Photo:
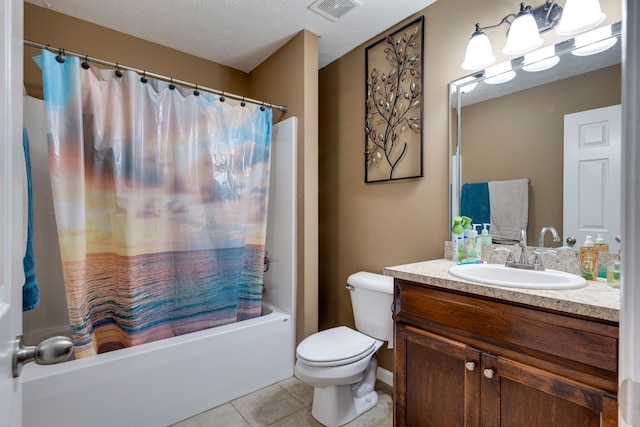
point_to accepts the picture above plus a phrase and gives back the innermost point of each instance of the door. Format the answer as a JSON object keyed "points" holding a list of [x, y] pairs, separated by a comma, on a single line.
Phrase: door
{"points": [[592, 177], [437, 380], [513, 392], [12, 232]]}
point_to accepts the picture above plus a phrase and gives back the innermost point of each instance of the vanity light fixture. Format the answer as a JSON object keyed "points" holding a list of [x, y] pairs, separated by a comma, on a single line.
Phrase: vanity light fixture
{"points": [[594, 42], [541, 59], [523, 35], [526, 26], [499, 74], [579, 16]]}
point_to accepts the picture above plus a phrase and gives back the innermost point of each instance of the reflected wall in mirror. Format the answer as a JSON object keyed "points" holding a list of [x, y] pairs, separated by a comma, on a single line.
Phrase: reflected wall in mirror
{"points": [[515, 129]]}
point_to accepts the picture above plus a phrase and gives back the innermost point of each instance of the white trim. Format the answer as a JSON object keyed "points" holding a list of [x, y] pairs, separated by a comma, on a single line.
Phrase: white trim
{"points": [[385, 376], [629, 364]]}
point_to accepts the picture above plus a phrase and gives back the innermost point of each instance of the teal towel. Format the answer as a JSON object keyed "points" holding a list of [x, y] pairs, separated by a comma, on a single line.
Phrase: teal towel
{"points": [[30, 290], [474, 202]]}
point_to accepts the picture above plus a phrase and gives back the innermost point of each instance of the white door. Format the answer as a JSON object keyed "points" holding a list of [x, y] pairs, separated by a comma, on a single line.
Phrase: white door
{"points": [[12, 215], [592, 163]]}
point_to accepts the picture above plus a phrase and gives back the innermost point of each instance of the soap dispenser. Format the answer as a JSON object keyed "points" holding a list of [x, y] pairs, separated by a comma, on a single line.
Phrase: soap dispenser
{"points": [[588, 260], [601, 246], [486, 237], [474, 244]]}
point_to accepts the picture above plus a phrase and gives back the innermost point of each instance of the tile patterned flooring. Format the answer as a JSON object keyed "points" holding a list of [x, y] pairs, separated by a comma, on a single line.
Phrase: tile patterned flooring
{"points": [[286, 404]]}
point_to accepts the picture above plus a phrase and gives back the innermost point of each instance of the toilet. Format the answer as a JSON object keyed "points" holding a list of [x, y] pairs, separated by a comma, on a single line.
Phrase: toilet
{"points": [[341, 363]]}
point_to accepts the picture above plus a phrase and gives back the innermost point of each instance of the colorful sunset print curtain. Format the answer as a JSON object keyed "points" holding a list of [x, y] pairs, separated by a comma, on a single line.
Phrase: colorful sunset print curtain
{"points": [[160, 199]]}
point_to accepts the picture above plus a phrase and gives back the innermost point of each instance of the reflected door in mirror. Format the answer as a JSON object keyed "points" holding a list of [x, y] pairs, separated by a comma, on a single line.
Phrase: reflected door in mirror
{"points": [[591, 191]]}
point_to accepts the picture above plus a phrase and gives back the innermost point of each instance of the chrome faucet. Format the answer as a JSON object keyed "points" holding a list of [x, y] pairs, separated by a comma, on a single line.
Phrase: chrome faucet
{"points": [[553, 231], [523, 245], [536, 261]]}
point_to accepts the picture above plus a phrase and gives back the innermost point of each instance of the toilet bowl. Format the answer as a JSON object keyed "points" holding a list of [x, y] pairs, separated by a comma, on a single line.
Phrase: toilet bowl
{"points": [[341, 363]]}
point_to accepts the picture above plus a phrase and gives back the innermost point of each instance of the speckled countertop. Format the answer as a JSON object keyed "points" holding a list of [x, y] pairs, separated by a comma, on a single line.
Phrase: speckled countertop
{"points": [[598, 300]]}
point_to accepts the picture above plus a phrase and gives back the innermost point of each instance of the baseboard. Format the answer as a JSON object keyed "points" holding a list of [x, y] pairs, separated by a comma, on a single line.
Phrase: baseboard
{"points": [[385, 376]]}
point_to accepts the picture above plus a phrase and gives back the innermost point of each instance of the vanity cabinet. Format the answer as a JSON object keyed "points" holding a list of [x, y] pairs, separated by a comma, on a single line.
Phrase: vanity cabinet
{"points": [[466, 360]]}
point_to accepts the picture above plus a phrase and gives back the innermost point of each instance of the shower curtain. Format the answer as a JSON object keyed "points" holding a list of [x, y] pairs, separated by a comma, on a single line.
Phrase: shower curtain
{"points": [[160, 196]]}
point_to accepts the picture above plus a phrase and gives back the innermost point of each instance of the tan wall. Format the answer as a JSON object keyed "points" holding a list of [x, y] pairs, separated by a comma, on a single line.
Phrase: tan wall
{"points": [[501, 141], [370, 226], [290, 77], [51, 28]]}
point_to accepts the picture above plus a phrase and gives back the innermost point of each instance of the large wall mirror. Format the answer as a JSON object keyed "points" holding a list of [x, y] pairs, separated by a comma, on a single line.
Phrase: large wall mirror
{"points": [[509, 124]]}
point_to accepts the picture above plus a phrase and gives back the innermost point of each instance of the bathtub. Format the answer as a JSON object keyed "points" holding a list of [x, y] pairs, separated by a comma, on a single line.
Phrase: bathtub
{"points": [[163, 382]]}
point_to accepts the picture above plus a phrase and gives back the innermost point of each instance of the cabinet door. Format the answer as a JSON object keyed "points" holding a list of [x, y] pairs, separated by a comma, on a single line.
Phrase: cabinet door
{"points": [[437, 381], [514, 394]]}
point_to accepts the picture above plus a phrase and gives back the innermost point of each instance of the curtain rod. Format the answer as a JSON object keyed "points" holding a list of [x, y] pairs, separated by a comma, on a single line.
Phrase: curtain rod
{"points": [[87, 58]]}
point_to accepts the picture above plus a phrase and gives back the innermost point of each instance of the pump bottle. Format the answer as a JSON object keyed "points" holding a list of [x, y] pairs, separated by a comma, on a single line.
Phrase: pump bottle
{"points": [[601, 246], [457, 240], [486, 237], [588, 260]]}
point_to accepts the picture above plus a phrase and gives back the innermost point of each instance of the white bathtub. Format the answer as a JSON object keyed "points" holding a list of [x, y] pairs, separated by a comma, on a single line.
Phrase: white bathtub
{"points": [[160, 383]]}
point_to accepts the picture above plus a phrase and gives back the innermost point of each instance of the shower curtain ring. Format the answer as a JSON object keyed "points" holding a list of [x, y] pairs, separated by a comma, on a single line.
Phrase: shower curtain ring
{"points": [[196, 92], [118, 72], [243, 103], [222, 97], [85, 63], [60, 56], [143, 79], [171, 85], [262, 107]]}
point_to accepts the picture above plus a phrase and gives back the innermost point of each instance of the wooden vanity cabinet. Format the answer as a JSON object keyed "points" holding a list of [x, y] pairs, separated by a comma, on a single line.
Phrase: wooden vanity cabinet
{"points": [[465, 360]]}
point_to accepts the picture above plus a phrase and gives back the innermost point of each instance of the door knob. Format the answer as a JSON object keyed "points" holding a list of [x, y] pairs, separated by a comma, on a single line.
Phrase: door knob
{"points": [[50, 351], [488, 373], [470, 366]]}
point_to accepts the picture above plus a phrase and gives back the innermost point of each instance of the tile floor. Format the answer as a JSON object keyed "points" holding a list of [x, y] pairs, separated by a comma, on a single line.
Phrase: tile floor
{"points": [[285, 404]]}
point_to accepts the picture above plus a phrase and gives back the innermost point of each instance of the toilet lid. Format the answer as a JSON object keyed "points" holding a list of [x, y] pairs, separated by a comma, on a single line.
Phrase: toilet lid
{"points": [[335, 346]]}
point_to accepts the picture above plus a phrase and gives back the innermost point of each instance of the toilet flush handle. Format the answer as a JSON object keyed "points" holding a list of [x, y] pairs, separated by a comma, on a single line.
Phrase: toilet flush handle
{"points": [[350, 287]]}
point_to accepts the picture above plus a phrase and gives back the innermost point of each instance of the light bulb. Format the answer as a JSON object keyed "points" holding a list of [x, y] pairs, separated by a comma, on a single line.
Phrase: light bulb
{"points": [[523, 35], [579, 16], [479, 54]]}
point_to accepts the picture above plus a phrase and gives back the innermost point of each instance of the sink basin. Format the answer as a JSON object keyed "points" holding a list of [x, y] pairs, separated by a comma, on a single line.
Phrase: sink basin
{"points": [[499, 275]]}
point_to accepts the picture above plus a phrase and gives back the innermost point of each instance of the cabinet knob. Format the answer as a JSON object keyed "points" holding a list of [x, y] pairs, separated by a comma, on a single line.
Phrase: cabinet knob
{"points": [[488, 373], [470, 366]]}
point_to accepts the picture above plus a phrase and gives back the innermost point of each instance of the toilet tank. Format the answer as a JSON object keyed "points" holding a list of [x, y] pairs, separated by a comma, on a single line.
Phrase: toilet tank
{"points": [[371, 299]]}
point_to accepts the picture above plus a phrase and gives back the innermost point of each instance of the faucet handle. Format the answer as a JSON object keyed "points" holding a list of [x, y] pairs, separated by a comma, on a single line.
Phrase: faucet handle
{"points": [[546, 251], [511, 257], [537, 258]]}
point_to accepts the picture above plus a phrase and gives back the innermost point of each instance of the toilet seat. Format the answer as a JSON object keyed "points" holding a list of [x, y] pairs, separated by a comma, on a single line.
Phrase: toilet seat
{"points": [[335, 347]]}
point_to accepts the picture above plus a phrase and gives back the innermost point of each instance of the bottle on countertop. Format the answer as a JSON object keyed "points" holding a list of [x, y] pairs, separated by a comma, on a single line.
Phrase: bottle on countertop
{"points": [[474, 245], [457, 240], [467, 227], [486, 237], [588, 260], [601, 245]]}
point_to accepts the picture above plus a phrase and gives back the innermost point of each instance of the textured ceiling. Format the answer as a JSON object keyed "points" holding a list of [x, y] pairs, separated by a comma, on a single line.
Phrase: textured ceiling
{"points": [[239, 33]]}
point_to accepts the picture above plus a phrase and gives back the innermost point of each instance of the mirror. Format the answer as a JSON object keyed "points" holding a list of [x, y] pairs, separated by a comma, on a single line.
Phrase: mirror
{"points": [[507, 121]]}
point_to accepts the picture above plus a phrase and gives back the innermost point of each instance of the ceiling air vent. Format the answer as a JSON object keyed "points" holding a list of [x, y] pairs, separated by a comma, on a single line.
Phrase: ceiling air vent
{"points": [[334, 9]]}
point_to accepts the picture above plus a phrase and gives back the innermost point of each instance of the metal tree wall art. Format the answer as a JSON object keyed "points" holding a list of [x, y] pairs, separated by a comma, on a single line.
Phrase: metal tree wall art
{"points": [[393, 131]]}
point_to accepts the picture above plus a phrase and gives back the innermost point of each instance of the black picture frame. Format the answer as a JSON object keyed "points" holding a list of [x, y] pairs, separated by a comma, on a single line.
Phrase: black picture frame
{"points": [[394, 105]]}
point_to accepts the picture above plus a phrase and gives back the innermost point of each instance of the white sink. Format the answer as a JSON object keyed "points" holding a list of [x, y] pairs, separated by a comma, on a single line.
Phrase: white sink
{"points": [[499, 275]]}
